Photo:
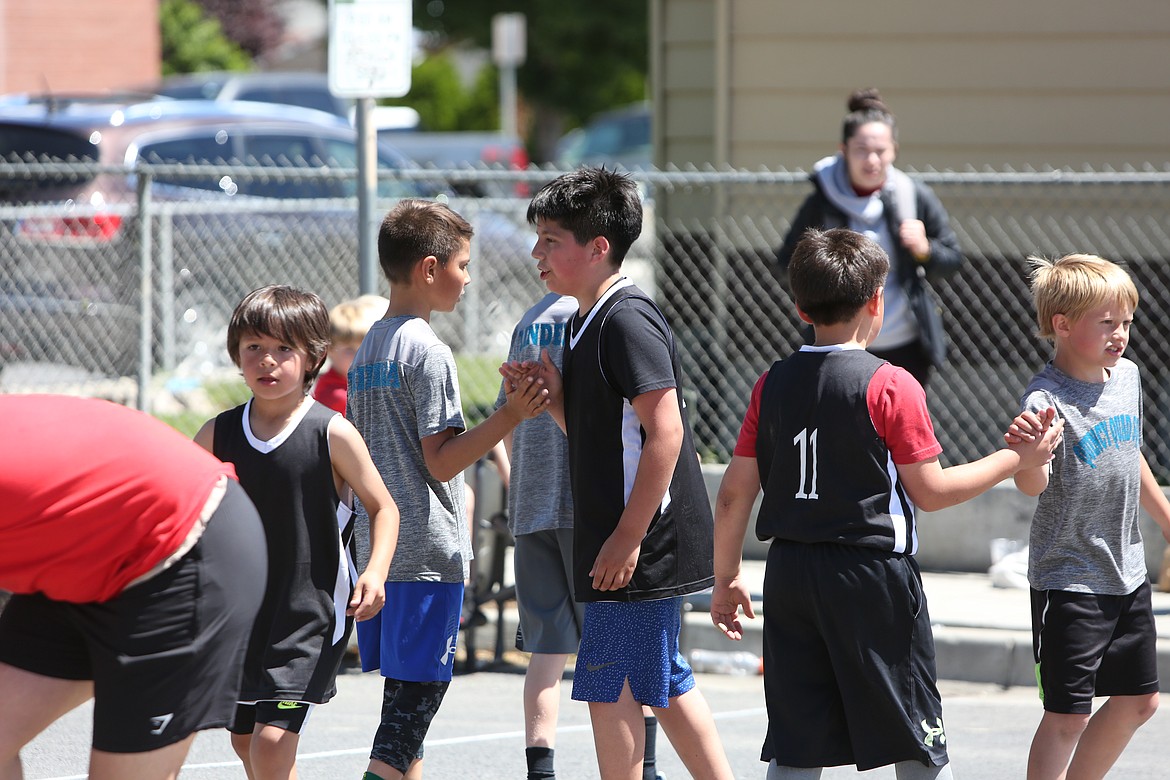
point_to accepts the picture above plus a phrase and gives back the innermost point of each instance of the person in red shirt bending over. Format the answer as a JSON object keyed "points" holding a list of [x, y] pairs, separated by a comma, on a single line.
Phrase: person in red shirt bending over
{"points": [[137, 565]]}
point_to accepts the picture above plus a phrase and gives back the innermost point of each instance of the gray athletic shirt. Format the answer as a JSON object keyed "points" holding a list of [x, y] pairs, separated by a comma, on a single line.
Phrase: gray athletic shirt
{"points": [[539, 495], [403, 387], [1085, 535]]}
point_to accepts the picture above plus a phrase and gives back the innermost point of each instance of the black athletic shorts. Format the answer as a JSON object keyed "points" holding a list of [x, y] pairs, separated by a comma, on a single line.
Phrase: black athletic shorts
{"points": [[1088, 645], [288, 715], [849, 673], [165, 655]]}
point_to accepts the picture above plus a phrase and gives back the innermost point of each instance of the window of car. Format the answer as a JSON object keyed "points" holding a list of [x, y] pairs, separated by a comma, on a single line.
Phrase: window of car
{"points": [[343, 154], [211, 146], [37, 142], [286, 150]]}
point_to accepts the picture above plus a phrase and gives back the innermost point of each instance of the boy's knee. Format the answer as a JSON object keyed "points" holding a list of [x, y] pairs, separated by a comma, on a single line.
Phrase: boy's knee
{"points": [[1138, 708], [1066, 724]]}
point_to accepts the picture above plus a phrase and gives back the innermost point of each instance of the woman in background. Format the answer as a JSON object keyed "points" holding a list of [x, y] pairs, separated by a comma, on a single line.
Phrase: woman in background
{"points": [[859, 188]]}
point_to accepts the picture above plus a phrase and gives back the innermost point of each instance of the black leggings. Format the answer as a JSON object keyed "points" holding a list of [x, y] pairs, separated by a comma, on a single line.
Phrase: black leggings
{"points": [[407, 711]]}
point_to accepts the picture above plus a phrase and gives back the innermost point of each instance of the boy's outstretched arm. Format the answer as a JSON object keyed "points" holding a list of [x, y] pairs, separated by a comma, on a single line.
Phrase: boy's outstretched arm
{"points": [[931, 487], [1154, 501], [449, 452], [733, 506], [353, 466], [658, 413]]}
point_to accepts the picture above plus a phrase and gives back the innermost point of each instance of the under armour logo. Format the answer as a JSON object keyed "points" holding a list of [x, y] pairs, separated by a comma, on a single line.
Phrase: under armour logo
{"points": [[159, 723], [931, 733], [449, 653]]}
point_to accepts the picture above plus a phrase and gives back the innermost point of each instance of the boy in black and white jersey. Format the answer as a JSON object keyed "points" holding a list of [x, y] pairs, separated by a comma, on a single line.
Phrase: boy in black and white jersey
{"points": [[642, 522], [841, 443]]}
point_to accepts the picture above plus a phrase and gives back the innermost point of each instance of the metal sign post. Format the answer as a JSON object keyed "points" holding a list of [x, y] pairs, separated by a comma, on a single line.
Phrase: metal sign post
{"points": [[509, 50], [370, 46]]}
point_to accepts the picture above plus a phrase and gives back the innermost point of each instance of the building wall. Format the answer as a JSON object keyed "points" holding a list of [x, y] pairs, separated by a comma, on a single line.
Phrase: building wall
{"points": [[78, 45], [996, 83]]}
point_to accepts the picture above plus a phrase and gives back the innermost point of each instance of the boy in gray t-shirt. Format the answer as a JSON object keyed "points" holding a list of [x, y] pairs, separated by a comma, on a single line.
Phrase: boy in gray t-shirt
{"points": [[1092, 623], [404, 399]]}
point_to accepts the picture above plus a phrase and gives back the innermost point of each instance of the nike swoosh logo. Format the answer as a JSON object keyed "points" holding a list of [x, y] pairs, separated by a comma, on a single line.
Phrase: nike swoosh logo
{"points": [[598, 667], [289, 705]]}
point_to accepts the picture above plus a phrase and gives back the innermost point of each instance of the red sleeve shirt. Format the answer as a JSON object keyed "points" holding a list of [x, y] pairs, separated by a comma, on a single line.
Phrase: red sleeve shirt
{"points": [[897, 408], [93, 495], [331, 390]]}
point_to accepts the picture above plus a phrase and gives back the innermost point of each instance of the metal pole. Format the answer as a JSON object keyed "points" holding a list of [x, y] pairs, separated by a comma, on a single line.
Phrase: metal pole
{"points": [[145, 293], [509, 123], [166, 284], [367, 192]]}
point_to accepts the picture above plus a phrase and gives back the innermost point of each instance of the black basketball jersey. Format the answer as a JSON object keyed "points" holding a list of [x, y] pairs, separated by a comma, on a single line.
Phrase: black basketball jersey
{"points": [[621, 349], [299, 638], [827, 474]]}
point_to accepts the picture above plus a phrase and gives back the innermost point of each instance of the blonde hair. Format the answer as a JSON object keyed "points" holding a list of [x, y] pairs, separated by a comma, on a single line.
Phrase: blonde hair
{"points": [[1074, 284], [351, 320]]}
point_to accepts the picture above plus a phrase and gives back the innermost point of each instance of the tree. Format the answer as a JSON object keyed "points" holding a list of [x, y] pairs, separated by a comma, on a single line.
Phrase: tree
{"points": [[193, 42], [254, 25], [582, 57]]}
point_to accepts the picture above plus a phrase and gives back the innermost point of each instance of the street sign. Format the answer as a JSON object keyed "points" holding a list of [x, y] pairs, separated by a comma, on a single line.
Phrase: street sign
{"points": [[509, 39], [370, 45]]}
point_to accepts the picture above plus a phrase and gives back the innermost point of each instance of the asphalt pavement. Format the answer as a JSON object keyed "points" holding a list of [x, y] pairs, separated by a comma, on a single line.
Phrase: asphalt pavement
{"points": [[478, 734], [981, 632]]}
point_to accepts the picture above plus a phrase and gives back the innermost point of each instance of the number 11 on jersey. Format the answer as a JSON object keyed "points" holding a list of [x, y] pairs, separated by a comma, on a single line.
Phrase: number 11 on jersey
{"points": [[806, 442]]}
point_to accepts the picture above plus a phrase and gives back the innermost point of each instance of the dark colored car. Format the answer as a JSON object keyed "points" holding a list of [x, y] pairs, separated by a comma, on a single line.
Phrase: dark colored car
{"points": [[617, 137], [70, 242]]}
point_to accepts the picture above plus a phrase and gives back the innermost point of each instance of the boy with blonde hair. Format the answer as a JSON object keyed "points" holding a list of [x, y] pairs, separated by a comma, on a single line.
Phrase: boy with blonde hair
{"points": [[349, 321], [842, 444], [404, 398], [1092, 623]]}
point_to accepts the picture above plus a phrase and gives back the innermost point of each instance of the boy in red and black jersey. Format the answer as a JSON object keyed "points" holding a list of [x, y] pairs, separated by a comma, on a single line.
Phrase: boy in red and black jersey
{"points": [[842, 445]]}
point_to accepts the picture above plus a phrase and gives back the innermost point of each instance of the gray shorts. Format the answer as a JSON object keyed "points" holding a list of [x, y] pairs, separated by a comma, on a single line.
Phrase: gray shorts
{"points": [[550, 619]]}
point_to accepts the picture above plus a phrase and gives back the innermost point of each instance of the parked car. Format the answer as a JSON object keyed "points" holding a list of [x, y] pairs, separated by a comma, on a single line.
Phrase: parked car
{"points": [[304, 89], [617, 137], [70, 243], [464, 149]]}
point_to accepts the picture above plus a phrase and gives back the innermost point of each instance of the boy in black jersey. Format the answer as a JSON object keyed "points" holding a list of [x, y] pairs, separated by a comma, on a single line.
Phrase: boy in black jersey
{"points": [[842, 444], [299, 462], [642, 528]]}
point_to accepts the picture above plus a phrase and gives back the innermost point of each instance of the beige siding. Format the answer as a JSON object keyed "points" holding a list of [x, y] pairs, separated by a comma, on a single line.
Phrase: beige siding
{"points": [[685, 92], [990, 84]]}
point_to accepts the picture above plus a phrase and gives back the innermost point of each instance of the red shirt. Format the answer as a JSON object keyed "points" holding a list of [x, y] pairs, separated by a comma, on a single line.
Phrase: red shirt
{"points": [[93, 495], [896, 402], [331, 390]]}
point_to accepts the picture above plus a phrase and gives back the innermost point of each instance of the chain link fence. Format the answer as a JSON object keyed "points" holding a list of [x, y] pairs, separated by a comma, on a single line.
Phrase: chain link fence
{"points": [[118, 298]]}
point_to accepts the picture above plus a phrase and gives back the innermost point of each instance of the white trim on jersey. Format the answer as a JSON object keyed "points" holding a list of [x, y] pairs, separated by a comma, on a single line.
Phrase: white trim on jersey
{"points": [[900, 518], [346, 574], [632, 453], [605, 296], [268, 446]]}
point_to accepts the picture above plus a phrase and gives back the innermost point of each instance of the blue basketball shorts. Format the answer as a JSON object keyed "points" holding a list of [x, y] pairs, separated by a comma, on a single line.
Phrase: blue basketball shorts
{"points": [[415, 635], [634, 641]]}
